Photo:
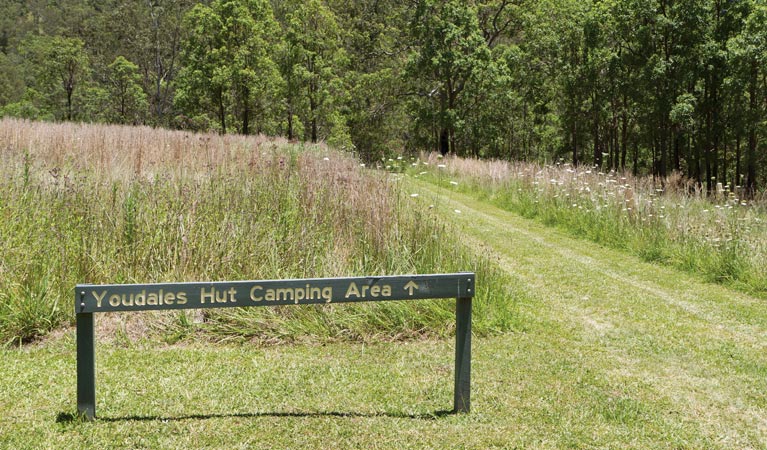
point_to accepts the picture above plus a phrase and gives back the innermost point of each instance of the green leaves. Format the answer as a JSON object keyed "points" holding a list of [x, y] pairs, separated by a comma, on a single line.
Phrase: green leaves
{"points": [[60, 67], [229, 71]]}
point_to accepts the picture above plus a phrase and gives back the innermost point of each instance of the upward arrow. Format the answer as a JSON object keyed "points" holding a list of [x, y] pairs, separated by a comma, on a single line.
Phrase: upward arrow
{"points": [[410, 286]]}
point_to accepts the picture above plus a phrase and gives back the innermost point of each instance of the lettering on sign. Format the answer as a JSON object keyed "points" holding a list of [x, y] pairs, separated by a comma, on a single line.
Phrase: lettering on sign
{"points": [[295, 295], [136, 297]]}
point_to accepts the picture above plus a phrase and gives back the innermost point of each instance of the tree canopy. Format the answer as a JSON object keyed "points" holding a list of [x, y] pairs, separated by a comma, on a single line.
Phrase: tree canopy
{"points": [[655, 87]]}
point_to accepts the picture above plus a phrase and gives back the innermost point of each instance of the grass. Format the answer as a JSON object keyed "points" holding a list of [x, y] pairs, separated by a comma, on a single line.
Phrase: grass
{"points": [[95, 204], [578, 345], [629, 354], [721, 236], [605, 351]]}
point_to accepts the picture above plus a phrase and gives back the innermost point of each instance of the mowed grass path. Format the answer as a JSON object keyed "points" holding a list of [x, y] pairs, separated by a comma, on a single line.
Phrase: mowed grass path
{"points": [[633, 354], [607, 352]]}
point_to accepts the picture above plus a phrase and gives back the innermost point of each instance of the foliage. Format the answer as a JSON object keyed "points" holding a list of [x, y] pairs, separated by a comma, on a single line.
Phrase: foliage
{"points": [[228, 70], [652, 87], [59, 67]]}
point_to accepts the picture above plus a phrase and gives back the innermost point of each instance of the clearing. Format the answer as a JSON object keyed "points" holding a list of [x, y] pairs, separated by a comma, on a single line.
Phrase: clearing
{"points": [[606, 352]]}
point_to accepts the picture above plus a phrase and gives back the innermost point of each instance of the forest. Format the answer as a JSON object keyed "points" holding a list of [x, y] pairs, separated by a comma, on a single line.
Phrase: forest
{"points": [[673, 89]]}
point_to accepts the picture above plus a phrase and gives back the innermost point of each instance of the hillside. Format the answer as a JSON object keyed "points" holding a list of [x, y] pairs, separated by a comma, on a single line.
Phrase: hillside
{"points": [[656, 87]]}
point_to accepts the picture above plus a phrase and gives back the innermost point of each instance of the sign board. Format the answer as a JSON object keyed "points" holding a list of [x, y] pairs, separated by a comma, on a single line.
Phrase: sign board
{"points": [[90, 299], [141, 297]]}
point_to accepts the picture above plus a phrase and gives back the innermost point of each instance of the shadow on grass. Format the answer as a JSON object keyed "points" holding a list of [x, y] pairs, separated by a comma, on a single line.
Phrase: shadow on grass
{"points": [[71, 418]]}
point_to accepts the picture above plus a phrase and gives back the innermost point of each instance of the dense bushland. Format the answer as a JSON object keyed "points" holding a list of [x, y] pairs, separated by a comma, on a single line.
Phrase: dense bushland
{"points": [[651, 87], [95, 204]]}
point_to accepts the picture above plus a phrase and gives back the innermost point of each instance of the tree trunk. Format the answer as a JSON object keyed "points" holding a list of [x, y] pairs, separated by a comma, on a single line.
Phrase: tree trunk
{"points": [[69, 103], [290, 120], [313, 110], [624, 133], [444, 142], [750, 185], [245, 112], [221, 111], [574, 137], [737, 160], [595, 132]]}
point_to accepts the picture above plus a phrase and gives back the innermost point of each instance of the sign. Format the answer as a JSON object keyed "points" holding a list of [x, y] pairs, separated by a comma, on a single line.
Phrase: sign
{"points": [[90, 299], [141, 297]]}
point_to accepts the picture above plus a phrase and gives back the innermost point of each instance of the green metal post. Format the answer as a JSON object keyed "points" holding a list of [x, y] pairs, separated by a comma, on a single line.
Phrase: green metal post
{"points": [[462, 390], [86, 366]]}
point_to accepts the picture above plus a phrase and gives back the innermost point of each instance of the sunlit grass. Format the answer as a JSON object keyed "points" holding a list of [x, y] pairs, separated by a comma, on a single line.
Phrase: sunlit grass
{"points": [[93, 204], [721, 236]]}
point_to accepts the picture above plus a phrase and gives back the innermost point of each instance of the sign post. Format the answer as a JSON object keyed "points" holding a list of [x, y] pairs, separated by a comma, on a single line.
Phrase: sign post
{"points": [[86, 366], [462, 389], [90, 299]]}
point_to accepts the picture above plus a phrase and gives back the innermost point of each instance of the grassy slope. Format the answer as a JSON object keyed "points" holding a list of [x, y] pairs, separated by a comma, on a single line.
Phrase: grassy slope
{"points": [[609, 352]]}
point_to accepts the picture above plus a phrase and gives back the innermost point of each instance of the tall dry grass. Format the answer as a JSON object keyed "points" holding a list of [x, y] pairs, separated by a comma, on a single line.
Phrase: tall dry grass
{"points": [[111, 204]]}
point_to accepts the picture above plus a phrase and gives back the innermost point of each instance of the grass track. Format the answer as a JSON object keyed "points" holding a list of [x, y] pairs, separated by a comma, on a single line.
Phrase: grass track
{"points": [[608, 352], [660, 350]]}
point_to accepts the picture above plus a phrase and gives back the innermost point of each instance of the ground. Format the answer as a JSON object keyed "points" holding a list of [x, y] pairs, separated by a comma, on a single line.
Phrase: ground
{"points": [[605, 351]]}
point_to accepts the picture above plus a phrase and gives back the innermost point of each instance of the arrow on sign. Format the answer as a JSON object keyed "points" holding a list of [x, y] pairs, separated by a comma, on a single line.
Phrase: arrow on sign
{"points": [[410, 286]]}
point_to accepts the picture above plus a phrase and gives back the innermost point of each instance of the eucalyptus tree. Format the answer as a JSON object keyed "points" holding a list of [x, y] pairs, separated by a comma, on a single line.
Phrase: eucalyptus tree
{"points": [[128, 103], [228, 67], [749, 56], [375, 40], [59, 67], [450, 53], [313, 62]]}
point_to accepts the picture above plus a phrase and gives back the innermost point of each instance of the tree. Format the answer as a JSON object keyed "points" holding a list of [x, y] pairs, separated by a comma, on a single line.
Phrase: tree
{"points": [[11, 84], [450, 53], [128, 100], [749, 53], [59, 66], [227, 61], [312, 63], [374, 38]]}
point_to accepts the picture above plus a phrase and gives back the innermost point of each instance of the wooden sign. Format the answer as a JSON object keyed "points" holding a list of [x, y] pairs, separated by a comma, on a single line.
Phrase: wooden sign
{"points": [[90, 299], [141, 297]]}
